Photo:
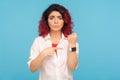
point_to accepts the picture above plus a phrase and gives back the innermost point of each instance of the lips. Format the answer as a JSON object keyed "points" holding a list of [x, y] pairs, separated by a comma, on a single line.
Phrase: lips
{"points": [[56, 26]]}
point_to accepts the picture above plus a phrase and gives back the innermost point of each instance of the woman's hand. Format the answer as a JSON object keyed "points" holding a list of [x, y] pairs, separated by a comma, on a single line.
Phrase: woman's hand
{"points": [[72, 56], [72, 39], [50, 51]]}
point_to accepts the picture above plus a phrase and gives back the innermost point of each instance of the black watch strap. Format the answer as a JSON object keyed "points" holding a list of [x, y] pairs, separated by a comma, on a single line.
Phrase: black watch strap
{"points": [[73, 49]]}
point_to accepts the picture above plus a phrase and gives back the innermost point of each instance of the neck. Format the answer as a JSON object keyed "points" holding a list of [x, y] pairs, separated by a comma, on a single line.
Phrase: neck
{"points": [[55, 36]]}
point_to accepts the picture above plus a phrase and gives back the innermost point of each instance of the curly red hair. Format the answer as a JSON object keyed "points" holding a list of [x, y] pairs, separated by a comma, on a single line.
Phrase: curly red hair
{"points": [[43, 24]]}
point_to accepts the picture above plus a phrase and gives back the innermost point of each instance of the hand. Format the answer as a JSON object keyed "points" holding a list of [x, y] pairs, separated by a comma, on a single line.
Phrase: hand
{"points": [[50, 51], [72, 39]]}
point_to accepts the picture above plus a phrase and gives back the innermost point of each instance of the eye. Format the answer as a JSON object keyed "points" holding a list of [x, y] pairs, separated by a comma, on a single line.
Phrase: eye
{"points": [[51, 17], [60, 18]]}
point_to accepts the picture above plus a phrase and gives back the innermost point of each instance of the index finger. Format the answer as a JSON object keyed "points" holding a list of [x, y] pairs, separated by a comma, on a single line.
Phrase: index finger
{"points": [[57, 48]]}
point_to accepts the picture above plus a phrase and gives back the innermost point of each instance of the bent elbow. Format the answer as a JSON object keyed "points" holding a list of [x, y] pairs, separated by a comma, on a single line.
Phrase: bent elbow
{"points": [[32, 68]]}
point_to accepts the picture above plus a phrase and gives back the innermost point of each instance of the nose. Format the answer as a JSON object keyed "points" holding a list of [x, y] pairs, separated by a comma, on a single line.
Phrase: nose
{"points": [[56, 21]]}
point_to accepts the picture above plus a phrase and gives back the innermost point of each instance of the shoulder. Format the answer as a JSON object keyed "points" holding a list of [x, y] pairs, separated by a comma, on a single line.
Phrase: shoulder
{"points": [[39, 38]]}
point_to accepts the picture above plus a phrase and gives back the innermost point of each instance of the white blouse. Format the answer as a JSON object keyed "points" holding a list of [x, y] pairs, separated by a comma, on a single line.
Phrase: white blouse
{"points": [[53, 67]]}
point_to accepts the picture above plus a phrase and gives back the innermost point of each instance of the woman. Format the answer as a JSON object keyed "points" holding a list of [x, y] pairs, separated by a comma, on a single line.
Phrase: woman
{"points": [[55, 51]]}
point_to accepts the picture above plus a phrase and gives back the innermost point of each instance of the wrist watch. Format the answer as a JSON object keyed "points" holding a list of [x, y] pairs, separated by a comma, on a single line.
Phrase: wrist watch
{"points": [[73, 49]]}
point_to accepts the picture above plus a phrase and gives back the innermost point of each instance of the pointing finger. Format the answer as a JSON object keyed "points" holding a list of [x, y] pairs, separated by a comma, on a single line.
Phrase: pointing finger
{"points": [[57, 48]]}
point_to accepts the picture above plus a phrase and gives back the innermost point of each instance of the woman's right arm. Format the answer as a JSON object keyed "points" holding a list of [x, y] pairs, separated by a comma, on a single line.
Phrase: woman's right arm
{"points": [[36, 63]]}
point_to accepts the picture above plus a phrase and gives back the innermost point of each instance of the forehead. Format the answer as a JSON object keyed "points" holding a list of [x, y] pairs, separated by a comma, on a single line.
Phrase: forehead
{"points": [[55, 13]]}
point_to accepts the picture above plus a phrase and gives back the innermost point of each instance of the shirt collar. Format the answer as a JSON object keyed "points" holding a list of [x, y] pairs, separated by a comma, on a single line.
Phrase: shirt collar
{"points": [[47, 37]]}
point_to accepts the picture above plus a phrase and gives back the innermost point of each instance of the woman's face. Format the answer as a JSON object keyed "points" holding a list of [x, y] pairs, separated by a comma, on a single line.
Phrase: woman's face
{"points": [[55, 21]]}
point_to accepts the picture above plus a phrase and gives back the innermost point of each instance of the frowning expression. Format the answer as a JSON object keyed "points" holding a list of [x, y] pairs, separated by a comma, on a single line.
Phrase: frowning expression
{"points": [[55, 21]]}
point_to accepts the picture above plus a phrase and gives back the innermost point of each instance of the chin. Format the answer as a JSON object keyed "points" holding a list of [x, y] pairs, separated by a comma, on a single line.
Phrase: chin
{"points": [[56, 30]]}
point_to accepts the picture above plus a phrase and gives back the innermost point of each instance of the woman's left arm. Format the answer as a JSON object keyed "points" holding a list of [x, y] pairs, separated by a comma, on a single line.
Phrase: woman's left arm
{"points": [[72, 54]]}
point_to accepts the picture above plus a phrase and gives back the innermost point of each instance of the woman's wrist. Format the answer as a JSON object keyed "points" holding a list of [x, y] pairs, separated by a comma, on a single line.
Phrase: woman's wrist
{"points": [[72, 45], [43, 54]]}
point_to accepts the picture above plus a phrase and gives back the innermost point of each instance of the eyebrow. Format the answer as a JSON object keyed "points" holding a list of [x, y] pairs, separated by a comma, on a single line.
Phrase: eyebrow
{"points": [[52, 16]]}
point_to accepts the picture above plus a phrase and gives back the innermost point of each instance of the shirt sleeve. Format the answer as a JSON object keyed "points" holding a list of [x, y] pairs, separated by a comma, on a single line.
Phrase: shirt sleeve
{"points": [[77, 47], [34, 52], [77, 52]]}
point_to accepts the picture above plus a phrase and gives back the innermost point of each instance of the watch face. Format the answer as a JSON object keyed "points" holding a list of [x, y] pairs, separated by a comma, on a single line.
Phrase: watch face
{"points": [[73, 49]]}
